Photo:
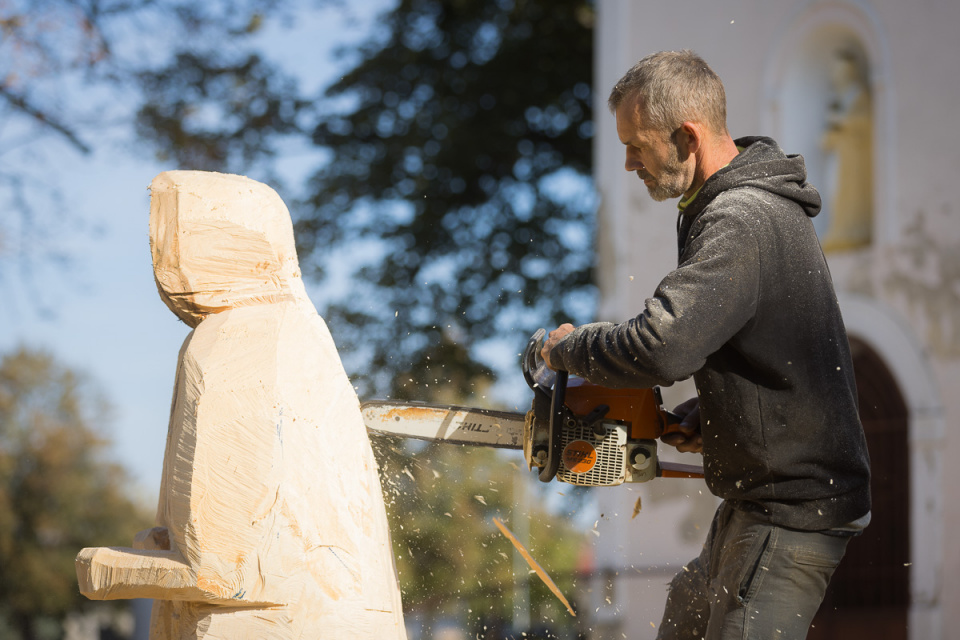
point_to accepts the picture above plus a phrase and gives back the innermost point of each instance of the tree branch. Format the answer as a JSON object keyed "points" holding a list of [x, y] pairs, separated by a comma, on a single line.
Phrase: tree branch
{"points": [[21, 103]]}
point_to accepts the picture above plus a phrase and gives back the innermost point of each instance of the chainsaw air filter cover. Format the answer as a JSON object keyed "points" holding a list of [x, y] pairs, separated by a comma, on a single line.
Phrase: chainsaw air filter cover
{"points": [[590, 460]]}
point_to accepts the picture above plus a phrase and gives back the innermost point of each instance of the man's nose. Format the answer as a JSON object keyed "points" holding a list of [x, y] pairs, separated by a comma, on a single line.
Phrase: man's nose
{"points": [[633, 163]]}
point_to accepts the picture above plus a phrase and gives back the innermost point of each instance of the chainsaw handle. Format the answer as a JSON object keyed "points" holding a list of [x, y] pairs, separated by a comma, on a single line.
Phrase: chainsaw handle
{"points": [[671, 423], [557, 415], [677, 435], [675, 469], [549, 390]]}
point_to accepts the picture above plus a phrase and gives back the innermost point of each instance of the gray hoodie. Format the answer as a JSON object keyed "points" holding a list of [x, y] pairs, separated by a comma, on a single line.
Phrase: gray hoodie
{"points": [[750, 312]]}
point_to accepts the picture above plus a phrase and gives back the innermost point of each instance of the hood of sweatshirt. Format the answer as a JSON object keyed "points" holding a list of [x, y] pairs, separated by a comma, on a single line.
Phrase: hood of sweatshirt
{"points": [[763, 165], [219, 242]]}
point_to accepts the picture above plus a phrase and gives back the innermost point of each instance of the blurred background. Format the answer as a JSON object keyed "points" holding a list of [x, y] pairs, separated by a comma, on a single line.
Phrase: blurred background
{"points": [[456, 182]]}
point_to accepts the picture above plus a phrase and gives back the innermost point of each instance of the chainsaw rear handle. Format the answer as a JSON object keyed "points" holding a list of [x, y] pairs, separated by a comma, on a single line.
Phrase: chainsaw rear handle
{"points": [[672, 424], [675, 469]]}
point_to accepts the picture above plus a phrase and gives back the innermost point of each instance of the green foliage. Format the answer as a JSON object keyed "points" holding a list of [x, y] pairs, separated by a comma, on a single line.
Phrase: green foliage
{"points": [[57, 493], [460, 171], [452, 559]]}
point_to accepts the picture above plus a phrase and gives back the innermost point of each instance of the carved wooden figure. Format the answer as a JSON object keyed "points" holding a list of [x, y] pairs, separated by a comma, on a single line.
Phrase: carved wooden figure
{"points": [[271, 521]]}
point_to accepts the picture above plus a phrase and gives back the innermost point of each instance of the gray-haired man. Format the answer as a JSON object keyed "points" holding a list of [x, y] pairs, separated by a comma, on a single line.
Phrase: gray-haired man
{"points": [[750, 312]]}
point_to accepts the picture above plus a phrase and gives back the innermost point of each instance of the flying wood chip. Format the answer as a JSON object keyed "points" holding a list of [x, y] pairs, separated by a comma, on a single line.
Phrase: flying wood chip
{"points": [[534, 565]]}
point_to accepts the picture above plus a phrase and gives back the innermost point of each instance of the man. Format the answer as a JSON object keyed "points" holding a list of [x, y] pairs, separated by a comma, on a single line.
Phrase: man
{"points": [[750, 313]]}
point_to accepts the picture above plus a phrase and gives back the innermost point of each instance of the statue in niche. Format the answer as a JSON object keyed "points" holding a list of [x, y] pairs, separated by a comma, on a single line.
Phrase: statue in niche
{"points": [[271, 520], [848, 147]]}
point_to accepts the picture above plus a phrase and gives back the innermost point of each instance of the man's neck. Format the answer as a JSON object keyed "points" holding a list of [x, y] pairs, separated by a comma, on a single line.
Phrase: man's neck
{"points": [[710, 159]]}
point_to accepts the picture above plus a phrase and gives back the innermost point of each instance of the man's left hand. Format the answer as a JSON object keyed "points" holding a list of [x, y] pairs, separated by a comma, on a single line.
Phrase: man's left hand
{"points": [[688, 439], [553, 338]]}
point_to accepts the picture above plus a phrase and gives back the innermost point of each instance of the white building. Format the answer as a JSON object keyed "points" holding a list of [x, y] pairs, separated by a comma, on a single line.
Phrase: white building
{"points": [[897, 273]]}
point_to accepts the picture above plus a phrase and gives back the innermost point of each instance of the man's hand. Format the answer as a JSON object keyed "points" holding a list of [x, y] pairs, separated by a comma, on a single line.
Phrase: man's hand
{"points": [[553, 338], [689, 438]]}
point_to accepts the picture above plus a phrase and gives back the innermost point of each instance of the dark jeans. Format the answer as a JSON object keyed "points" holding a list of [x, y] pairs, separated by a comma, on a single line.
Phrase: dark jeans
{"points": [[752, 581]]}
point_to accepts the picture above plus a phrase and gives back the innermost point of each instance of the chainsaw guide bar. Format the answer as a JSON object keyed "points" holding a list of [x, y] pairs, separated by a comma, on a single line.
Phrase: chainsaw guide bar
{"points": [[447, 423]]}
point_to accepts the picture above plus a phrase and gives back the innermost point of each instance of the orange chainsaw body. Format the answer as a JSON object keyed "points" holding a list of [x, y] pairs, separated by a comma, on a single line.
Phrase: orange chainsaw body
{"points": [[639, 408]]}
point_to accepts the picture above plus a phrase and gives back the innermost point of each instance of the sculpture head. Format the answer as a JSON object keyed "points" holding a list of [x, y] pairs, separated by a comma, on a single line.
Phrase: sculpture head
{"points": [[218, 242]]}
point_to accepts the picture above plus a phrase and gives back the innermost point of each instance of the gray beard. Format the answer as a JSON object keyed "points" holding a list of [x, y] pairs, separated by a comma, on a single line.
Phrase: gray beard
{"points": [[672, 183]]}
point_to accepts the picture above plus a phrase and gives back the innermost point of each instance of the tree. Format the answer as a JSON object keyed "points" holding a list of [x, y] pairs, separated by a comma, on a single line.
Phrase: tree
{"points": [[57, 492], [460, 169]]}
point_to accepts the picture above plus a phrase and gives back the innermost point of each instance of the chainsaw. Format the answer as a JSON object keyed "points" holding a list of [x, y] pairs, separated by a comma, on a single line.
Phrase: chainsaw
{"points": [[577, 432]]}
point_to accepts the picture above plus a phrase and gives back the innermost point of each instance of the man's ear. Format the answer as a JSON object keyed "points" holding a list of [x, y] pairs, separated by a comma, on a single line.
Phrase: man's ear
{"points": [[690, 138]]}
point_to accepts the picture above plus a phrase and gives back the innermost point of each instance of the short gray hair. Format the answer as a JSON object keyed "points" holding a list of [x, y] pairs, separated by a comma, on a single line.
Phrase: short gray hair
{"points": [[675, 86]]}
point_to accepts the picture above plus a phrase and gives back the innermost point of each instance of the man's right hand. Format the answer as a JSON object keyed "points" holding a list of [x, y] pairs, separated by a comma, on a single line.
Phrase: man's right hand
{"points": [[553, 338], [688, 439]]}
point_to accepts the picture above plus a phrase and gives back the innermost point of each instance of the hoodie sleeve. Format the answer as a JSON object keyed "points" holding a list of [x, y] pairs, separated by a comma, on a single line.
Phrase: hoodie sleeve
{"points": [[695, 310]]}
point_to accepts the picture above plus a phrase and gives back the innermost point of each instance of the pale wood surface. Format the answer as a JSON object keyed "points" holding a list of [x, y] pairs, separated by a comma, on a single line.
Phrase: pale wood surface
{"points": [[271, 521]]}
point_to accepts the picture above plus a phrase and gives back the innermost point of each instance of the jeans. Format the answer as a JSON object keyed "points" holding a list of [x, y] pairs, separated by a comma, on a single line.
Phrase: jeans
{"points": [[752, 581]]}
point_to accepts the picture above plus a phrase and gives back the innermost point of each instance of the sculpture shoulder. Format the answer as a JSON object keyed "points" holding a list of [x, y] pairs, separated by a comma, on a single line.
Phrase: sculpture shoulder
{"points": [[282, 349], [246, 334]]}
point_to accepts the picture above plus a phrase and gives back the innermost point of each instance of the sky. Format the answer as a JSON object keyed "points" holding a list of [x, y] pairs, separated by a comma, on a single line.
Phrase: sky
{"points": [[108, 320]]}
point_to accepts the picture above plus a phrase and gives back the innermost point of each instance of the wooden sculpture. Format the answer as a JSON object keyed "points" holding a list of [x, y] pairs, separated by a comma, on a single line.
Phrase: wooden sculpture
{"points": [[271, 521]]}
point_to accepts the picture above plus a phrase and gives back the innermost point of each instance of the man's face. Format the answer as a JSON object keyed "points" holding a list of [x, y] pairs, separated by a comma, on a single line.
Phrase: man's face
{"points": [[651, 153]]}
